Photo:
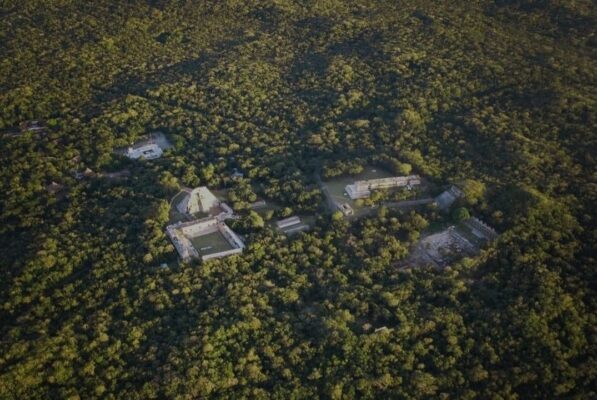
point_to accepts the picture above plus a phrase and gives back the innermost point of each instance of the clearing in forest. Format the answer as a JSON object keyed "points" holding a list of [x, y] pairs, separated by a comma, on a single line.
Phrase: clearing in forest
{"points": [[210, 243], [149, 147], [335, 188]]}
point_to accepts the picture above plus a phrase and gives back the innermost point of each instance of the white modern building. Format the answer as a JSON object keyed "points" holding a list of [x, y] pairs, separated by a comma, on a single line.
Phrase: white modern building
{"points": [[145, 152], [148, 148], [362, 189]]}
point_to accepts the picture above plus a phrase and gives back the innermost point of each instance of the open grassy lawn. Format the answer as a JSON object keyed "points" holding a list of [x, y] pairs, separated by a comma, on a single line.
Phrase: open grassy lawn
{"points": [[211, 243]]}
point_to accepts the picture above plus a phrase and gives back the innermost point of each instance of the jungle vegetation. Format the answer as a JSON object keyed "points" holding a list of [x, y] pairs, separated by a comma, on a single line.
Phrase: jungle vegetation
{"points": [[498, 96]]}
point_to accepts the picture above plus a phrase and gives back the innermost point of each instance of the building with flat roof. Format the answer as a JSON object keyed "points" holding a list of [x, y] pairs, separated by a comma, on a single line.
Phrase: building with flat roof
{"points": [[149, 147], [362, 189], [145, 152], [285, 223]]}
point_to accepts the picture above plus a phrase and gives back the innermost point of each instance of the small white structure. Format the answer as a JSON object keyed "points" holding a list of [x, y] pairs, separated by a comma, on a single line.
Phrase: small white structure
{"points": [[362, 189], [285, 223], [346, 209], [382, 329], [181, 235], [198, 200], [145, 152], [148, 148], [447, 198]]}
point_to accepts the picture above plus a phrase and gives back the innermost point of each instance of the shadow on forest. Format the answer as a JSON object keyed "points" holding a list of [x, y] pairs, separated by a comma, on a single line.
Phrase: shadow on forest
{"points": [[363, 46], [139, 83], [493, 151], [314, 63]]}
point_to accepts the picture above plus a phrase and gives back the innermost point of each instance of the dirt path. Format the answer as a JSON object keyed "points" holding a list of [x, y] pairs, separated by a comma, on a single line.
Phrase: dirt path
{"points": [[407, 203], [116, 175]]}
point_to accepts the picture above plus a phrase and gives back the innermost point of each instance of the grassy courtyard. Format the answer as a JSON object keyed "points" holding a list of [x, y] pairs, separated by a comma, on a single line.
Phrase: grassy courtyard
{"points": [[211, 243], [336, 186]]}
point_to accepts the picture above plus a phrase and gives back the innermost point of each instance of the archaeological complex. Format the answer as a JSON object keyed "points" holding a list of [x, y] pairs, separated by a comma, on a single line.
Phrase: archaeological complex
{"points": [[208, 237]]}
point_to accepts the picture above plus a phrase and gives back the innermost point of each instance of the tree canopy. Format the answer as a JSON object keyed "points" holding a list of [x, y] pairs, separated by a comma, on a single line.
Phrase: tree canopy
{"points": [[497, 97]]}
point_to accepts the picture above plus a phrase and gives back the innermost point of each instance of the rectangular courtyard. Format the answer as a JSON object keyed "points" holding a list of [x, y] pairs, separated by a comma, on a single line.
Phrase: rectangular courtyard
{"points": [[210, 243]]}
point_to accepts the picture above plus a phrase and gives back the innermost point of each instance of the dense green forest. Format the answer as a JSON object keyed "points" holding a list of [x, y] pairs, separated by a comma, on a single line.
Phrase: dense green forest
{"points": [[500, 93]]}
